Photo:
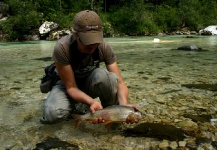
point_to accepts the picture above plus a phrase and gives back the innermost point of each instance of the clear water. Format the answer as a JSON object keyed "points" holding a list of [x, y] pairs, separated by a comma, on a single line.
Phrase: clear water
{"points": [[153, 72]]}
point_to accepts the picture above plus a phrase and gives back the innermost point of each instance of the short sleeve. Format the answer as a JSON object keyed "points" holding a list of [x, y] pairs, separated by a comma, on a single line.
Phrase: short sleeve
{"points": [[61, 52], [107, 54]]}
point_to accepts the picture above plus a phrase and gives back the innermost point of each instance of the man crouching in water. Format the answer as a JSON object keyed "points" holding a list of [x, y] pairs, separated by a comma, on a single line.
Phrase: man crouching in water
{"points": [[77, 59]]}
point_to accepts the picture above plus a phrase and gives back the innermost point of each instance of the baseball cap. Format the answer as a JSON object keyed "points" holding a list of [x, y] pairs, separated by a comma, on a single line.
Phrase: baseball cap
{"points": [[88, 26]]}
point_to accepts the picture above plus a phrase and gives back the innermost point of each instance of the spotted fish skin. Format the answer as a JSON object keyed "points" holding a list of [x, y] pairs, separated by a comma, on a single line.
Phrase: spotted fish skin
{"points": [[110, 114]]}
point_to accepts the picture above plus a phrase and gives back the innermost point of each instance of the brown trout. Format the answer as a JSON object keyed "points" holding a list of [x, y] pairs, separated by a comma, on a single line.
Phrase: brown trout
{"points": [[110, 114]]}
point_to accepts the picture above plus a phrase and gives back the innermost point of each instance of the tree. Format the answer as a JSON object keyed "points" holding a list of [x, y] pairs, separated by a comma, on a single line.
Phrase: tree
{"points": [[133, 18], [167, 18], [24, 19]]}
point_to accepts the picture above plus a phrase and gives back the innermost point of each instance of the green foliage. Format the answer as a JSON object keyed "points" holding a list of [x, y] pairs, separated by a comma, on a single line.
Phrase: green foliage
{"points": [[108, 30], [134, 17], [24, 19], [20, 25], [167, 18], [133, 20], [208, 13], [188, 12]]}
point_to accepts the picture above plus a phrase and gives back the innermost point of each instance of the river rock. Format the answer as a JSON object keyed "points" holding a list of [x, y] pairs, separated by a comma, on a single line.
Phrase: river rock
{"points": [[58, 34], [189, 48], [210, 30], [46, 27], [187, 124], [173, 145], [5, 18], [164, 144], [182, 143]]}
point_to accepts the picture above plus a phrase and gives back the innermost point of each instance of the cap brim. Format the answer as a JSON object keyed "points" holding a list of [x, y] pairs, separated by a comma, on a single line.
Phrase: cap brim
{"points": [[88, 38]]}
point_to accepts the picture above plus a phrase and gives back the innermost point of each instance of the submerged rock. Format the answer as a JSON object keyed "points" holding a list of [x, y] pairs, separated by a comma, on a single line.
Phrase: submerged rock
{"points": [[51, 143], [189, 48]]}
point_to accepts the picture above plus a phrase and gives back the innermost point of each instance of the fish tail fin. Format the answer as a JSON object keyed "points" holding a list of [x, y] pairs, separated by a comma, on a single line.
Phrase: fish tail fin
{"points": [[78, 120]]}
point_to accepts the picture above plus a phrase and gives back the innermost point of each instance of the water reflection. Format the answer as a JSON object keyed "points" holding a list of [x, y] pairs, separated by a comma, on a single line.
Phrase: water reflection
{"points": [[153, 72]]}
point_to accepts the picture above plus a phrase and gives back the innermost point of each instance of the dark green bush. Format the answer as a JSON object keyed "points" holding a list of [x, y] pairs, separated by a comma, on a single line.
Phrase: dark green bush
{"points": [[135, 17], [167, 18]]}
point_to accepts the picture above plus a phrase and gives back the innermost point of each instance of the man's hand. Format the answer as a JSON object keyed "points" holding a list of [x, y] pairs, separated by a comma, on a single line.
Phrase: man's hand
{"points": [[98, 120], [131, 120], [133, 106], [95, 106]]}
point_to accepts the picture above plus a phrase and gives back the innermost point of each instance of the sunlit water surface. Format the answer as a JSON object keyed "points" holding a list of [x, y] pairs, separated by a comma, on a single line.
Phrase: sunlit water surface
{"points": [[154, 73]]}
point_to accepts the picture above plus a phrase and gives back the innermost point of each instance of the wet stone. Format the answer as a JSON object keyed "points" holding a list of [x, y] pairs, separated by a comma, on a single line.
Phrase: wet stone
{"points": [[214, 144], [182, 143], [202, 140], [173, 145], [164, 145], [51, 143]]}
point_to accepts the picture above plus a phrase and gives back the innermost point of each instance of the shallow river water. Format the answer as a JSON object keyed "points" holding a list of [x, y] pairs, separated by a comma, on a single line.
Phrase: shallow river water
{"points": [[171, 87]]}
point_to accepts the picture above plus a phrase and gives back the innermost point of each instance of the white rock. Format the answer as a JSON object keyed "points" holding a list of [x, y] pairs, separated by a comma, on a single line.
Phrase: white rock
{"points": [[182, 143], [164, 144], [57, 35], [5, 18], [46, 27], [212, 29], [173, 145], [156, 40]]}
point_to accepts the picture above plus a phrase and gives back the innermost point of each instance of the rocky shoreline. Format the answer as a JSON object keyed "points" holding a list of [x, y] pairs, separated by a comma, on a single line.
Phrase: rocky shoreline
{"points": [[50, 31]]}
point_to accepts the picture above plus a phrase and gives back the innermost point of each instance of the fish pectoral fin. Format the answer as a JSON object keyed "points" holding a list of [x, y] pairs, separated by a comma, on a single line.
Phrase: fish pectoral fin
{"points": [[107, 122], [77, 123], [77, 120], [108, 125]]}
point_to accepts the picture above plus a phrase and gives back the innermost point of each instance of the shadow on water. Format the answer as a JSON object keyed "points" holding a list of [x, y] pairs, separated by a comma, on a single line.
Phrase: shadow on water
{"points": [[169, 132], [211, 87], [44, 59], [51, 143], [156, 130], [199, 118]]}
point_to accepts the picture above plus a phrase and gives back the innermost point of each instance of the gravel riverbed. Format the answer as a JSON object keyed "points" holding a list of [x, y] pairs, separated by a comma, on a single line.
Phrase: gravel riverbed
{"points": [[175, 90]]}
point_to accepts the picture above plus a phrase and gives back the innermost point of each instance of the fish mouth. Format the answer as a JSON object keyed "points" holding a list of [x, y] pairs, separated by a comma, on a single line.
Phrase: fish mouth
{"points": [[136, 116]]}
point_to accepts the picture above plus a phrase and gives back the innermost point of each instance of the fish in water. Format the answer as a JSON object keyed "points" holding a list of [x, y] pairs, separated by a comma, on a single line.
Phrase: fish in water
{"points": [[110, 114]]}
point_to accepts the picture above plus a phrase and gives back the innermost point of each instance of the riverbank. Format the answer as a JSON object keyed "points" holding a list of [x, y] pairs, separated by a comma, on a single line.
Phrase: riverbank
{"points": [[57, 34]]}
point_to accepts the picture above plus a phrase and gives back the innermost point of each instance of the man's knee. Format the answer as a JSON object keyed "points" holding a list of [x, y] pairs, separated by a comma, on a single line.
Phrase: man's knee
{"points": [[104, 85], [53, 114], [106, 78], [57, 106]]}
